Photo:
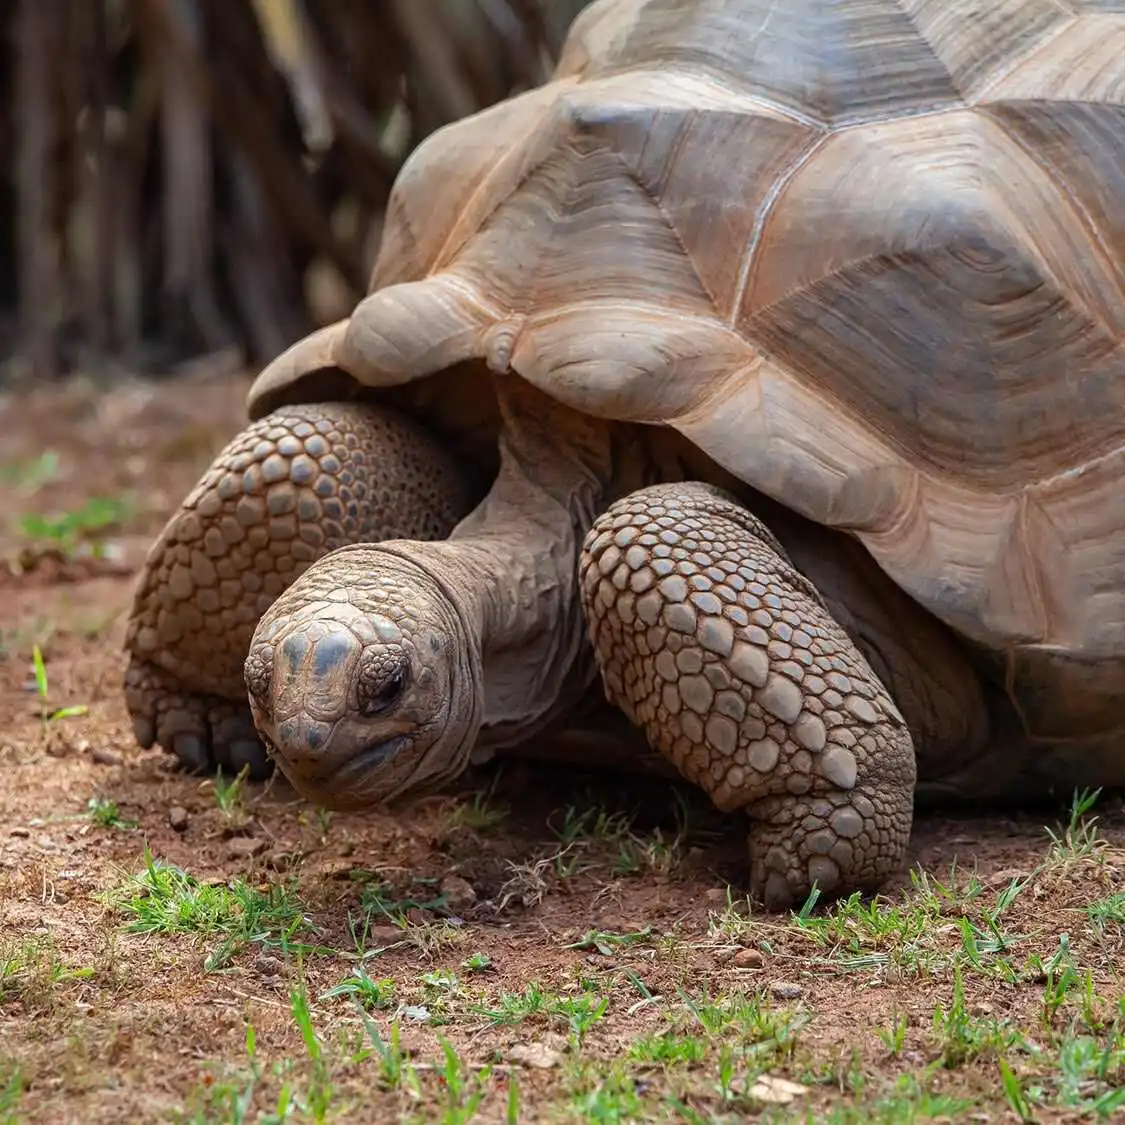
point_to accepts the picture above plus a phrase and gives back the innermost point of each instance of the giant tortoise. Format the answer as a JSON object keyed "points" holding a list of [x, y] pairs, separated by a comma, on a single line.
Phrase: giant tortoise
{"points": [[761, 374]]}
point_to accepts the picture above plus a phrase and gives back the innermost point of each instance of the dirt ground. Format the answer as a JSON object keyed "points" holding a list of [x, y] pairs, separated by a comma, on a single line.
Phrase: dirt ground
{"points": [[536, 944]]}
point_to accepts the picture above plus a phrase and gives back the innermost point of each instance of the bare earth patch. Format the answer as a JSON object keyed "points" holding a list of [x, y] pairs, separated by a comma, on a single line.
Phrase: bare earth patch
{"points": [[537, 945]]}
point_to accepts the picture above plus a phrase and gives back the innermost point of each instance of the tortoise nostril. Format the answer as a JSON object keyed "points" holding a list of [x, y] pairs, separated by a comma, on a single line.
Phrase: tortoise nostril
{"points": [[298, 740]]}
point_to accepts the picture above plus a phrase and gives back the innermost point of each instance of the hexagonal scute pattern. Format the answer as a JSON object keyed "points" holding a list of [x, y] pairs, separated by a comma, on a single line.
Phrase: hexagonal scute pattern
{"points": [[867, 255]]}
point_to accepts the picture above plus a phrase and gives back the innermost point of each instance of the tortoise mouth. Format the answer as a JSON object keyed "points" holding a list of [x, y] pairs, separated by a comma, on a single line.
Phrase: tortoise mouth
{"points": [[352, 785], [374, 754]]}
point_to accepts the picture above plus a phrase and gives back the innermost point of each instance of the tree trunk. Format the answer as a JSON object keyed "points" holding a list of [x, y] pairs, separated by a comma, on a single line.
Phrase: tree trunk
{"points": [[188, 298], [37, 242]]}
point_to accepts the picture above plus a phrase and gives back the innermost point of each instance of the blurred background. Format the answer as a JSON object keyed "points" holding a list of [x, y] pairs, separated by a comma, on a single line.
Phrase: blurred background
{"points": [[188, 182]]}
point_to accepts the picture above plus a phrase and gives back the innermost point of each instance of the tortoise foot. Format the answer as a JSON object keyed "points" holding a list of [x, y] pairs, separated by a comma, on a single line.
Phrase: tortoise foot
{"points": [[726, 656], [205, 732]]}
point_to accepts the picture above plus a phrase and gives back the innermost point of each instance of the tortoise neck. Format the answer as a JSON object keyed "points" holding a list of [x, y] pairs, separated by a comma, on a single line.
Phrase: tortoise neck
{"points": [[513, 562]]}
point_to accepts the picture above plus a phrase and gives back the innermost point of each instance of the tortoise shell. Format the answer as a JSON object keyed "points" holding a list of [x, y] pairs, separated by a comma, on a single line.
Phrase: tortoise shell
{"points": [[868, 256]]}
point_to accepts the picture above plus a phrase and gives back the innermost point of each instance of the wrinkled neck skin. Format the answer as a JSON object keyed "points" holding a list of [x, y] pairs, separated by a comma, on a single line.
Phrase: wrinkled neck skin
{"points": [[512, 563]]}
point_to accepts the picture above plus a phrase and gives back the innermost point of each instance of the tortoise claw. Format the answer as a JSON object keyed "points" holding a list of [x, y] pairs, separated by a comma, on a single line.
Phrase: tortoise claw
{"points": [[205, 732]]}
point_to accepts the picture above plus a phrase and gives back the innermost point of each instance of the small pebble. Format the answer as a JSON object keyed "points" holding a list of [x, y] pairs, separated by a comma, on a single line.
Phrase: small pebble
{"points": [[105, 757], [749, 959], [384, 935], [596, 961], [243, 847], [786, 990], [459, 893], [1002, 878], [776, 1090], [178, 818], [537, 1055]]}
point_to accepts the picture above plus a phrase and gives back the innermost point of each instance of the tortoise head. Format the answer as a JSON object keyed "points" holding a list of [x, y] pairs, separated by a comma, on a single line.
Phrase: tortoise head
{"points": [[364, 679]]}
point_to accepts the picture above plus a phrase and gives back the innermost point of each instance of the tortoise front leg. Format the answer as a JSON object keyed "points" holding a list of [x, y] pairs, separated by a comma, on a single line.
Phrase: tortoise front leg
{"points": [[725, 655], [286, 491]]}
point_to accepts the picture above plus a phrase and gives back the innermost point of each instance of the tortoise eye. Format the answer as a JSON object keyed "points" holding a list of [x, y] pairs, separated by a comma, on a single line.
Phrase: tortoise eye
{"points": [[382, 683]]}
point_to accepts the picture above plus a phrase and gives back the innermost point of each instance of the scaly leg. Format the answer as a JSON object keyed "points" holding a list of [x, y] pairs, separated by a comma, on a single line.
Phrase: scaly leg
{"points": [[725, 655], [286, 491]]}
